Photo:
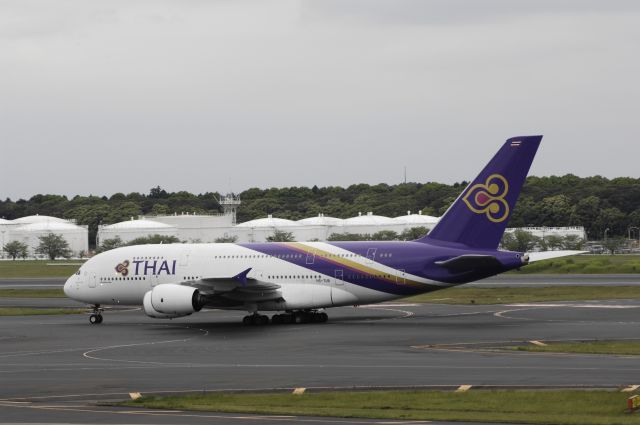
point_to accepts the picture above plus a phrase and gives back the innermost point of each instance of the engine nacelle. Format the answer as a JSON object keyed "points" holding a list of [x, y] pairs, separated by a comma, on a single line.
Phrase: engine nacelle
{"points": [[168, 301]]}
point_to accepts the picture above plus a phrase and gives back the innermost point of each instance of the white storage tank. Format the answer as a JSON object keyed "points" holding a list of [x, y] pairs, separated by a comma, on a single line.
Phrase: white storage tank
{"points": [[133, 229], [76, 236]]}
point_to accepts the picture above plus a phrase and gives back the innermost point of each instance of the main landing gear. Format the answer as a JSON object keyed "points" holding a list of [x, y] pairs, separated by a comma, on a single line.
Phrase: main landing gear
{"points": [[256, 319], [96, 317], [296, 317]]}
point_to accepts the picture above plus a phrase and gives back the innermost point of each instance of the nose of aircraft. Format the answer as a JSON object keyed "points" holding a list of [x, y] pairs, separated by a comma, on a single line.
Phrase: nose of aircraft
{"points": [[67, 288]]}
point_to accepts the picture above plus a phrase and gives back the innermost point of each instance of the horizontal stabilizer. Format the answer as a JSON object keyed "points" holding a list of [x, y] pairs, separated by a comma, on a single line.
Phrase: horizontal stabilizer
{"points": [[547, 255], [469, 262]]}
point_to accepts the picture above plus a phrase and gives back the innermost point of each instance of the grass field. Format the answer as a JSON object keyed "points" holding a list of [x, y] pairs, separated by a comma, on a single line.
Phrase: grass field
{"points": [[585, 264], [470, 295], [38, 268], [31, 293], [24, 311], [530, 407], [587, 347]]}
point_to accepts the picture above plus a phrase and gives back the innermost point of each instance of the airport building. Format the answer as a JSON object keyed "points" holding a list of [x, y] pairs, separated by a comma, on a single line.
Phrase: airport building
{"points": [[542, 232]]}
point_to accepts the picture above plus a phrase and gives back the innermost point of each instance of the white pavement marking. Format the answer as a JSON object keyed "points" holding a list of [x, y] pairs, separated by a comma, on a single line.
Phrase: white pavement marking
{"points": [[405, 313], [614, 306], [630, 388], [463, 388], [538, 343], [88, 355]]}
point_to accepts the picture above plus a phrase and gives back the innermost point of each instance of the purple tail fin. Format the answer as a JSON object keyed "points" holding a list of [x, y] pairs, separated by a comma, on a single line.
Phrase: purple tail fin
{"points": [[479, 216]]}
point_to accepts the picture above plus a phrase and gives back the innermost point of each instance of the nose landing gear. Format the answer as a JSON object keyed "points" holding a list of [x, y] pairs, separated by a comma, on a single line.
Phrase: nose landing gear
{"points": [[96, 317]]}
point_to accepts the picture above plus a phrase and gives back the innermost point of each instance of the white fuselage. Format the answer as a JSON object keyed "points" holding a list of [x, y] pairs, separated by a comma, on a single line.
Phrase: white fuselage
{"points": [[123, 276]]}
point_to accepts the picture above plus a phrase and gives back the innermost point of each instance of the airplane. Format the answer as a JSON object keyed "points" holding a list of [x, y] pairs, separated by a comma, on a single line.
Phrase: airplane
{"points": [[300, 280]]}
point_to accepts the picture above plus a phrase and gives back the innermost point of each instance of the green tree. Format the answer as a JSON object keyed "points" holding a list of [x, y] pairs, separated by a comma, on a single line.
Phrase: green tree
{"points": [[385, 235], [572, 242], [584, 213], [519, 240], [125, 211], [554, 242], [159, 209], [15, 249], [154, 239], [554, 211], [281, 236], [227, 239], [612, 219], [508, 241], [336, 237], [53, 246], [109, 244], [414, 233]]}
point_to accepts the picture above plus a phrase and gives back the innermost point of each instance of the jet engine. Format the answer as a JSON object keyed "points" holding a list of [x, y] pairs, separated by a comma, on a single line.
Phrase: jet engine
{"points": [[168, 301]]}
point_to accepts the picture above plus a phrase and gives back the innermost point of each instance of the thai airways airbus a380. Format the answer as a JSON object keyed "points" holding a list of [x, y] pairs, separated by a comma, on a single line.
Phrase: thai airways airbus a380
{"points": [[301, 279]]}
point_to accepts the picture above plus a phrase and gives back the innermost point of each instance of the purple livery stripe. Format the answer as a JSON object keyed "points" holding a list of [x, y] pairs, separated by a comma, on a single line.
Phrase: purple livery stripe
{"points": [[327, 263]]}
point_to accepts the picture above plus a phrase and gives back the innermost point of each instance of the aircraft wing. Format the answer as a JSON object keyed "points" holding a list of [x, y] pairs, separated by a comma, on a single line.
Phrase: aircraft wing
{"points": [[240, 288], [547, 255]]}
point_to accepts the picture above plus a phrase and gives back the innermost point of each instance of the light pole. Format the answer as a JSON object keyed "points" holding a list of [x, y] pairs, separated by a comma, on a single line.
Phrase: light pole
{"points": [[2, 249], [605, 233]]}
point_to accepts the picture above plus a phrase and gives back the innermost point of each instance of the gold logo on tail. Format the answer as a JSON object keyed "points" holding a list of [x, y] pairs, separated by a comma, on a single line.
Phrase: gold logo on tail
{"points": [[488, 198]]}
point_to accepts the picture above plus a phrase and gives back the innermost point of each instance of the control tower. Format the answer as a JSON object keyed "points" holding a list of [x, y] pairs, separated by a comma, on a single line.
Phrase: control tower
{"points": [[230, 203]]}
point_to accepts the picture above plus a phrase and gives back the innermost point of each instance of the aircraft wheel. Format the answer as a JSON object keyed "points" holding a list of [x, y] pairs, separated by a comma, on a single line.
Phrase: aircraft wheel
{"points": [[246, 320], [264, 320], [94, 319], [99, 318], [324, 317], [298, 318]]}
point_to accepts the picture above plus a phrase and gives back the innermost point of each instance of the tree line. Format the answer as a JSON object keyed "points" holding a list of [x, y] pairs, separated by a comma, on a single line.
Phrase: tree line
{"points": [[597, 203]]}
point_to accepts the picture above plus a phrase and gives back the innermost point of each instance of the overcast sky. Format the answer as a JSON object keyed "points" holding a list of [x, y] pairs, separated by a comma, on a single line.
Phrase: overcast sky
{"points": [[98, 97]]}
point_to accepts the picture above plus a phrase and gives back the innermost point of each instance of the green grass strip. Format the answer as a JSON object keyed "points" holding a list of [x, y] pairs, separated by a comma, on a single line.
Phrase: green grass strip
{"points": [[32, 293], [587, 347], [26, 311], [38, 268], [471, 295], [585, 264], [530, 407]]}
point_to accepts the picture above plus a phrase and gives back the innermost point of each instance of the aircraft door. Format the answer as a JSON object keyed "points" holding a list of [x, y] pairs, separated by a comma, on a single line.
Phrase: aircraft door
{"points": [[371, 255], [401, 278], [184, 258], [338, 277], [339, 295], [92, 279]]}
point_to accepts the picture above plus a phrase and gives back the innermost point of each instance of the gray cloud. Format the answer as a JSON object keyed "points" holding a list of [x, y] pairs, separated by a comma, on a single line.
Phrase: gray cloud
{"points": [[104, 97]]}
